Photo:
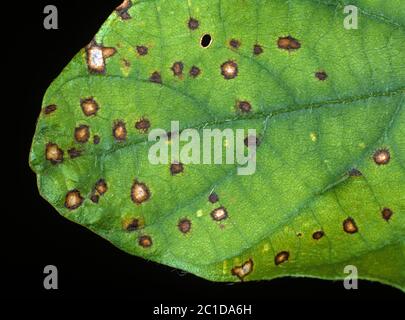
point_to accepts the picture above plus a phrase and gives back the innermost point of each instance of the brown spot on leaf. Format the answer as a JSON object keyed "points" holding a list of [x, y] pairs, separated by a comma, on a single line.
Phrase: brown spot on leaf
{"points": [[257, 49], [132, 224], [234, 43], [213, 198], [177, 68], [94, 198], [195, 72], [229, 70], [96, 55], [355, 173], [89, 106], [73, 199], [119, 130], [288, 43], [142, 50], [74, 153], [387, 214], [184, 225], [156, 77], [349, 226], [145, 241], [281, 257], [122, 9], [96, 139], [126, 63], [82, 134], [251, 141], [219, 214], [49, 109], [242, 271], [176, 168], [139, 192], [170, 135], [193, 24], [53, 153], [143, 125], [244, 106], [101, 187], [382, 157], [318, 235], [321, 75]]}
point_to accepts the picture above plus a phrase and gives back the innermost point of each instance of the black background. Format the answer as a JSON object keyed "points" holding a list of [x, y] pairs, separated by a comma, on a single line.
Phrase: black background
{"points": [[90, 267]]}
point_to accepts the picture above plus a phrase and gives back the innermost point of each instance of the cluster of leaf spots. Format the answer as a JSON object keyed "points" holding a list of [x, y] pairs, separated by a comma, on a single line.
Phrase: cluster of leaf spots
{"points": [[100, 189], [139, 192], [122, 9]]}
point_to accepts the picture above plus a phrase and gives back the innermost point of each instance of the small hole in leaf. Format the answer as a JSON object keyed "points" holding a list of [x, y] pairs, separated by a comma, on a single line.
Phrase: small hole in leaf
{"points": [[206, 40]]}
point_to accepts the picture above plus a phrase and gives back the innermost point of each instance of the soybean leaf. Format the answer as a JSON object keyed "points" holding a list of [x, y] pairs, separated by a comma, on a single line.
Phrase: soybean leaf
{"points": [[327, 102]]}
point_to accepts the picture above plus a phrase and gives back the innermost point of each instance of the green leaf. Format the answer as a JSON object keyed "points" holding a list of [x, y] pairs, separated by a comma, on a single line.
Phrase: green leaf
{"points": [[328, 107]]}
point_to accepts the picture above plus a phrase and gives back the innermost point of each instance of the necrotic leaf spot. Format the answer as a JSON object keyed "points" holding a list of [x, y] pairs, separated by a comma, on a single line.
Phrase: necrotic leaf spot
{"points": [[49, 109], [177, 68], [251, 140], [82, 134], [139, 192], [193, 24], [53, 153], [131, 225], [234, 43], [122, 9], [96, 139], [355, 173], [321, 75], [242, 271], [281, 257], [74, 153], [257, 49], [229, 70], [89, 106], [184, 225], [176, 168], [195, 72], [94, 198], [244, 106], [219, 214], [73, 199], [101, 187], [142, 125], [382, 157], [142, 50], [349, 226], [145, 241], [119, 130], [288, 43], [213, 198], [156, 77], [387, 214], [317, 235]]}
